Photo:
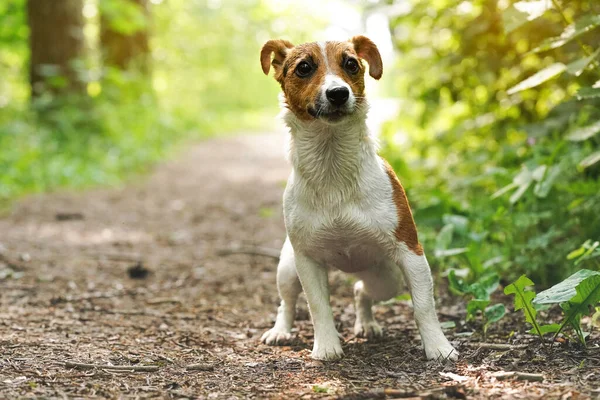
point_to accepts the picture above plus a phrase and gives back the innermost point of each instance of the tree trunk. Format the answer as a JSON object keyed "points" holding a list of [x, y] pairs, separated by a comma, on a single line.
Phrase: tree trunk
{"points": [[125, 50], [56, 42]]}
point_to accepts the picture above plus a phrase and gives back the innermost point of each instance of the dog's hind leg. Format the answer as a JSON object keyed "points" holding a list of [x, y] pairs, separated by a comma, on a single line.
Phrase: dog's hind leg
{"points": [[289, 288], [365, 325], [380, 283]]}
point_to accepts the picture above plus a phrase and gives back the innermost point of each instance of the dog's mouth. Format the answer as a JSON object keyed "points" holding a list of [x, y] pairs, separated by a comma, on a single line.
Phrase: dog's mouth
{"points": [[327, 114]]}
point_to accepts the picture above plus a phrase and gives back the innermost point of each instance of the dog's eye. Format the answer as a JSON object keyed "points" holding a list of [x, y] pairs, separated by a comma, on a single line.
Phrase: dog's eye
{"points": [[303, 69], [351, 66]]}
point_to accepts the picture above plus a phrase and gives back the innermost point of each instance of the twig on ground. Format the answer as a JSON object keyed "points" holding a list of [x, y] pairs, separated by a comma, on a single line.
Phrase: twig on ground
{"points": [[116, 257], [163, 300], [252, 250], [524, 376], [200, 367], [224, 321], [497, 346], [136, 368]]}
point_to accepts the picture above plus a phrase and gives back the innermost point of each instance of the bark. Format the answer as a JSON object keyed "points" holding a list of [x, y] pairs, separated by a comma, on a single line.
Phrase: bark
{"points": [[56, 42], [125, 51]]}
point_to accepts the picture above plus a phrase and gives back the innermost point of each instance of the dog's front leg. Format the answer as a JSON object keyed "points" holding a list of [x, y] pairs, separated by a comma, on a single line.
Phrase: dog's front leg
{"points": [[316, 287], [418, 274]]}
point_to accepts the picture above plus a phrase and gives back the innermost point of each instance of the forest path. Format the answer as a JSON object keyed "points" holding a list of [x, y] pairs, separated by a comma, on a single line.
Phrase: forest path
{"points": [[79, 292]]}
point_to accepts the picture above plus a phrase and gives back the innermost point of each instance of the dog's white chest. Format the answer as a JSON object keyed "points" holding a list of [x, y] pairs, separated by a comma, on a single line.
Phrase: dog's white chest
{"points": [[355, 253], [350, 239]]}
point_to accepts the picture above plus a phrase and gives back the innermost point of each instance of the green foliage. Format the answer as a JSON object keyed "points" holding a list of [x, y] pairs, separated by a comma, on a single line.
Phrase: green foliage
{"points": [[587, 251], [565, 290], [123, 16], [523, 300], [479, 294], [499, 125], [576, 295]]}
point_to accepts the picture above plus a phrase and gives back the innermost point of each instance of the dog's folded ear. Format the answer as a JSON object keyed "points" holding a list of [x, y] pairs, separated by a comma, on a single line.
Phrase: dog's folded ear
{"points": [[367, 50], [280, 48]]}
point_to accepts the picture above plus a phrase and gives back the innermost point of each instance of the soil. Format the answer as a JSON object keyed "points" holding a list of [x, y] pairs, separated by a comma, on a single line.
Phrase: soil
{"points": [[149, 277]]}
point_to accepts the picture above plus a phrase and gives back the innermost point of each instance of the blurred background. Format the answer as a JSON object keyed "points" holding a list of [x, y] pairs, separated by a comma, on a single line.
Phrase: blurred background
{"points": [[491, 107]]}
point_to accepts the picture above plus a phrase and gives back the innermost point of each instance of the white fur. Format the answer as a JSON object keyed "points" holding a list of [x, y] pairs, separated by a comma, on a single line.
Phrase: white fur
{"points": [[322, 46], [340, 213], [332, 80]]}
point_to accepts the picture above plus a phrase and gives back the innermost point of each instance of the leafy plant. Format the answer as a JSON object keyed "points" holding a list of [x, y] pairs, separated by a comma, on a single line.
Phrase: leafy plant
{"points": [[479, 293], [523, 301], [499, 125], [576, 295]]}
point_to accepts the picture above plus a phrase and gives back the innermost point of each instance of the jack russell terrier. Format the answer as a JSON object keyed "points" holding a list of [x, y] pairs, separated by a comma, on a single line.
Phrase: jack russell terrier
{"points": [[343, 205]]}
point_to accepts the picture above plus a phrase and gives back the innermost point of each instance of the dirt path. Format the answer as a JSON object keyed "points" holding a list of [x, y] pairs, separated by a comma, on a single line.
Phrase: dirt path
{"points": [[79, 292]]}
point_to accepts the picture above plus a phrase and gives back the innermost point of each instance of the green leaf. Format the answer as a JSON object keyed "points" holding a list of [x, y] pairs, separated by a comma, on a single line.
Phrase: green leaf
{"points": [[485, 286], [576, 253], [523, 300], [522, 12], [494, 313], [457, 285], [480, 290], [444, 238], [542, 188], [587, 250], [583, 133], [588, 295], [519, 193], [448, 325], [476, 305], [538, 78], [588, 93], [571, 32], [504, 190], [590, 160], [577, 67], [565, 290], [544, 329], [450, 252], [521, 181], [459, 222]]}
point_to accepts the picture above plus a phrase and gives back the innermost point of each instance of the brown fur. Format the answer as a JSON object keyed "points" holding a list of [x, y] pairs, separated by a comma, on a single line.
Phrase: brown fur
{"points": [[406, 231], [367, 50], [302, 93], [280, 48]]}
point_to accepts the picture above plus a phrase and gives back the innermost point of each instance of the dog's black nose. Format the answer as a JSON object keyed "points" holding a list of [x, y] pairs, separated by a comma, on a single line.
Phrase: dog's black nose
{"points": [[337, 95]]}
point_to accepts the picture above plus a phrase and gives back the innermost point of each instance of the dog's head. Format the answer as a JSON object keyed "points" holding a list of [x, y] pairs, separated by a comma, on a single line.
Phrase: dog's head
{"points": [[322, 80]]}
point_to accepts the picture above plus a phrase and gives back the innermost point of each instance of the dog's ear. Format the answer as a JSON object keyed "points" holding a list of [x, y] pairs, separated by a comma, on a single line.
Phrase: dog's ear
{"points": [[367, 50], [280, 48]]}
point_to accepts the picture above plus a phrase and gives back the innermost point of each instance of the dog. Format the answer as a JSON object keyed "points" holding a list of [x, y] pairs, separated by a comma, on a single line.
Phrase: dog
{"points": [[343, 205]]}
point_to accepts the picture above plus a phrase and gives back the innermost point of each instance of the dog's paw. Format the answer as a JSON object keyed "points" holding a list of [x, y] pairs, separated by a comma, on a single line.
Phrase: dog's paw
{"points": [[367, 330], [276, 337], [441, 351], [328, 350]]}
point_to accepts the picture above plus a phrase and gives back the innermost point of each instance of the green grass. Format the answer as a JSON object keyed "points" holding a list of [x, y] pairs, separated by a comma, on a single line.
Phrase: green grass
{"points": [[104, 144]]}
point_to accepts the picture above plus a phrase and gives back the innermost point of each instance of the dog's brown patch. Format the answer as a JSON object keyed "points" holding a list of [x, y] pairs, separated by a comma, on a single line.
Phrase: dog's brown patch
{"points": [[368, 51], [279, 48], [301, 93], [406, 231]]}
